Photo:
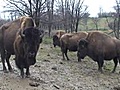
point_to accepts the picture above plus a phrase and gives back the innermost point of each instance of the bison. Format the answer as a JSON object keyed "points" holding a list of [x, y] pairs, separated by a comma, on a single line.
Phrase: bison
{"points": [[100, 46], [56, 38], [69, 41], [26, 46], [7, 36]]}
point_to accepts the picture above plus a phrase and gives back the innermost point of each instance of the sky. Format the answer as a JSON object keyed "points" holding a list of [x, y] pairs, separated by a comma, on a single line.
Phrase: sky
{"points": [[93, 6], [2, 3]]}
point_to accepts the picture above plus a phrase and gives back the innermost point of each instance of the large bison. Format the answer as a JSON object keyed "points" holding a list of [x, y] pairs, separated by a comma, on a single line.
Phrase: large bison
{"points": [[69, 41], [26, 46], [56, 38], [100, 46], [7, 36]]}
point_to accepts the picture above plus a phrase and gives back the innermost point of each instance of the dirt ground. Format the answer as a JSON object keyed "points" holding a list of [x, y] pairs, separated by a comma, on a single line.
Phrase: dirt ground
{"points": [[52, 73]]}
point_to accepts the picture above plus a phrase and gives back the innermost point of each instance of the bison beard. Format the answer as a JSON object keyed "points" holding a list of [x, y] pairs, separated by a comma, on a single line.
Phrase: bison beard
{"points": [[26, 46]]}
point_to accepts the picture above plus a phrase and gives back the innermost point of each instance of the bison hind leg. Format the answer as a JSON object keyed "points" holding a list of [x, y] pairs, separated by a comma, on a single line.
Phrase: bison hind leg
{"points": [[66, 56], [100, 65], [115, 62]]}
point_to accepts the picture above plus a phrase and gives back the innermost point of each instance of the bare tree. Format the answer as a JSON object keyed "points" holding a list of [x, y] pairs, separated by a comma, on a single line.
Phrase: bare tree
{"points": [[117, 18], [33, 8], [115, 24], [50, 6], [72, 11], [81, 11], [95, 21], [68, 14], [2, 21]]}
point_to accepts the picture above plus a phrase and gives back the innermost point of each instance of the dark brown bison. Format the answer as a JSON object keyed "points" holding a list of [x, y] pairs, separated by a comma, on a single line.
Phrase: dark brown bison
{"points": [[69, 41], [99, 46], [56, 38], [26, 46], [7, 36]]}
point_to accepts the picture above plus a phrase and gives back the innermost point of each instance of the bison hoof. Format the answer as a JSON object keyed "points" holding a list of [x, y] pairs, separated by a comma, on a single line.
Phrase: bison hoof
{"points": [[27, 76], [101, 71], [5, 71], [113, 71], [11, 70], [22, 76], [79, 60], [63, 59]]}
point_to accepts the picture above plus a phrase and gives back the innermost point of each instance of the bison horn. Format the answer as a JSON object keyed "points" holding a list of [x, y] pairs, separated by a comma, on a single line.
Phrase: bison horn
{"points": [[21, 33], [42, 34]]}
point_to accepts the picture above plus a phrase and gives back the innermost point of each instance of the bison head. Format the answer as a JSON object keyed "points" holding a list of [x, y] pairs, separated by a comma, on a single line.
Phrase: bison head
{"points": [[56, 41], [82, 48], [31, 39]]}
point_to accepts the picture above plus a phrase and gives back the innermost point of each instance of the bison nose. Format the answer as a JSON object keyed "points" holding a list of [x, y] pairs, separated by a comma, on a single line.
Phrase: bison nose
{"points": [[54, 45], [31, 54]]}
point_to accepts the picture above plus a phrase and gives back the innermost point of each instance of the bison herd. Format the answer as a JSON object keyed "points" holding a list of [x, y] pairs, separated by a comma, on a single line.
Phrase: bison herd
{"points": [[22, 38], [95, 44]]}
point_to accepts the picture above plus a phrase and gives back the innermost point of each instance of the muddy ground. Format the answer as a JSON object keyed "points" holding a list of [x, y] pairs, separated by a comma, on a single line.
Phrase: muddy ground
{"points": [[52, 73]]}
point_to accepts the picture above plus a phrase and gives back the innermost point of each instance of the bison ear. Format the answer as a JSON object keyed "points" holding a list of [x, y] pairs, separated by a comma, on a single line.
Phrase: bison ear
{"points": [[83, 43]]}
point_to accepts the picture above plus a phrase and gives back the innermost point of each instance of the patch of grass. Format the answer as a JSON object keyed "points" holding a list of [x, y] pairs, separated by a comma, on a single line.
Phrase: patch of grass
{"points": [[108, 66], [72, 54], [47, 40], [102, 24], [47, 51], [57, 49]]}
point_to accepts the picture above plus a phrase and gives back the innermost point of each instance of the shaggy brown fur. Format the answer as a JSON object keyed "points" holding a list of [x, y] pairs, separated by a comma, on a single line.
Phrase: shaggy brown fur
{"points": [[100, 46], [7, 36], [69, 41], [26, 46]]}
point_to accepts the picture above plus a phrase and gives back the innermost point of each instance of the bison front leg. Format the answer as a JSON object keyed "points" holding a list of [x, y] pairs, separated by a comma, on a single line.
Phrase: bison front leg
{"points": [[115, 62], [22, 72], [8, 62], [3, 58], [27, 72], [79, 59]]}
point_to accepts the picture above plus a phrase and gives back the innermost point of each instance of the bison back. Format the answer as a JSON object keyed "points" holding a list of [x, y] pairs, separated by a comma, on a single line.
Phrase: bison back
{"points": [[101, 44]]}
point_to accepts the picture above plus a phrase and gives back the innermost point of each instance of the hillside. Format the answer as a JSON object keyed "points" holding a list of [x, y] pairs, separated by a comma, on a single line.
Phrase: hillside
{"points": [[102, 24]]}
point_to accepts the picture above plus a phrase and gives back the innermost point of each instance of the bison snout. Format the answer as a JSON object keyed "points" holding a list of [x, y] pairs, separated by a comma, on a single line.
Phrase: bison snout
{"points": [[31, 54]]}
